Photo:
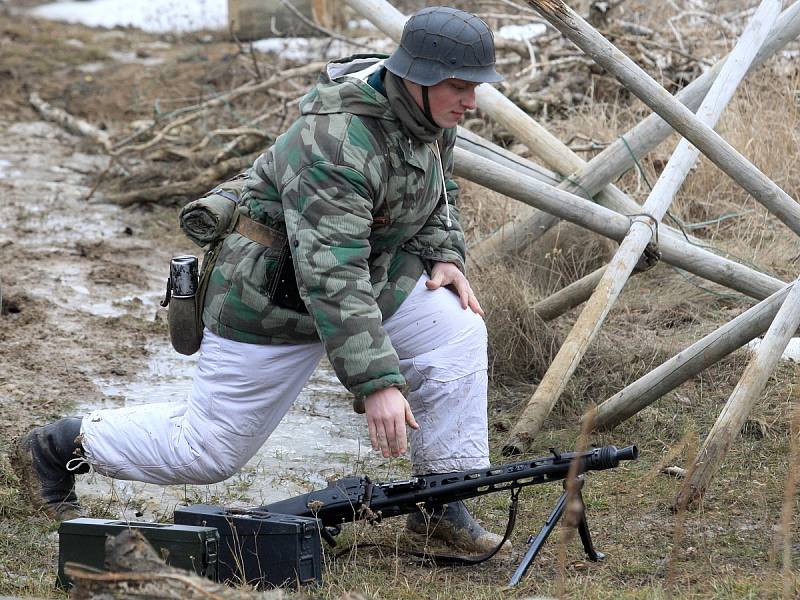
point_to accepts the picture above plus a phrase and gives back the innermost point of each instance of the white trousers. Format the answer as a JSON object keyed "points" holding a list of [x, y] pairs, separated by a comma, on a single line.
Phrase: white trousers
{"points": [[241, 391]]}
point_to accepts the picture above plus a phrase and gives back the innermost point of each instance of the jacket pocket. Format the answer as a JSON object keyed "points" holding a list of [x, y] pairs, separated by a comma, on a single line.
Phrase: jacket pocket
{"points": [[246, 270]]}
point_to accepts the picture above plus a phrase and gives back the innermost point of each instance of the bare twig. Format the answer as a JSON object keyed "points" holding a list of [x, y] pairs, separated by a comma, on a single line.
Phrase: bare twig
{"points": [[185, 189], [248, 88], [69, 122]]}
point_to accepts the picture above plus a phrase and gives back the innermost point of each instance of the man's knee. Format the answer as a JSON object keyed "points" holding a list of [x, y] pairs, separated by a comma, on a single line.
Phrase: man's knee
{"points": [[465, 353], [216, 461], [213, 469]]}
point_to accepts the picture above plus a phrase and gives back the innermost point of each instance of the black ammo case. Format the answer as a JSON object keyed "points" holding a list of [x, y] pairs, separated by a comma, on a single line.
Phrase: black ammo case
{"points": [[259, 547], [83, 541]]}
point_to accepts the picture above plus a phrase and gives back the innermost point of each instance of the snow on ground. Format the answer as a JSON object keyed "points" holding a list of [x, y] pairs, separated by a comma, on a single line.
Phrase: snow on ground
{"points": [[180, 16], [792, 351], [155, 16], [299, 48], [522, 33]]}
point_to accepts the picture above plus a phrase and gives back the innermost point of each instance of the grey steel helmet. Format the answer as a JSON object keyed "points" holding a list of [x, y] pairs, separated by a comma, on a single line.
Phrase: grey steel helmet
{"points": [[441, 43]]}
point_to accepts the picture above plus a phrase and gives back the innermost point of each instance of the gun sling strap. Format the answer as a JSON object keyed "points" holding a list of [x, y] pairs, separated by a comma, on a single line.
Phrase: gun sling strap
{"points": [[454, 559]]}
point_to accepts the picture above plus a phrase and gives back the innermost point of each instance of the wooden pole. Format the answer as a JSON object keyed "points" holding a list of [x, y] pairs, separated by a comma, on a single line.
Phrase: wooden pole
{"points": [[613, 225], [572, 295], [620, 156], [747, 392], [472, 142], [637, 81], [569, 296], [643, 229], [688, 362]]}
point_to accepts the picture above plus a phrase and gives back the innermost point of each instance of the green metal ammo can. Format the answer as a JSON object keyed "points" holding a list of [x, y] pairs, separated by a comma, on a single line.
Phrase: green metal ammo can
{"points": [[83, 541]]}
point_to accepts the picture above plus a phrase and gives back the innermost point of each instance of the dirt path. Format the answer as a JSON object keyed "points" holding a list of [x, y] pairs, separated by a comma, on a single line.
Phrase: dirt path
{"points": [[78, 278]]}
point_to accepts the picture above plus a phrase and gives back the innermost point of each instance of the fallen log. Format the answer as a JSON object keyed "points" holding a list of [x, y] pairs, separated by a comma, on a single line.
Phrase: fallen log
{"points": [[638, 82], [744, 397], [643, 229]]}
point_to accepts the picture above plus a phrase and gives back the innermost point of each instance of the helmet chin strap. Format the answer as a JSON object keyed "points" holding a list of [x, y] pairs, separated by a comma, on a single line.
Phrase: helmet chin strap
{"points": [[426, 104]]}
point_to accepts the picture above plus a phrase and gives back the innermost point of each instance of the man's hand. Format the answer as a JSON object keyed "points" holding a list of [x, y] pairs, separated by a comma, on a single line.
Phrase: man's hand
{"points": [[449, 275], [387, 414]]}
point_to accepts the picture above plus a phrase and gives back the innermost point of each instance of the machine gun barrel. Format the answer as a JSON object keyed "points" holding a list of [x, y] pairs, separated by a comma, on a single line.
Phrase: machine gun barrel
{"points": [[352, 498]]}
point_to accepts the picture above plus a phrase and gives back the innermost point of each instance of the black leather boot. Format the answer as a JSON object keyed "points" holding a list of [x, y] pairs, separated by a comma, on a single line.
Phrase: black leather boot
{"points": [[453, 525], [46, 460]]}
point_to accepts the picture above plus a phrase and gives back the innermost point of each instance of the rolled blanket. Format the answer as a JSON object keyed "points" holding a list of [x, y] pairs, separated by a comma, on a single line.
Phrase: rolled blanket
{"points": [[208, 219]]}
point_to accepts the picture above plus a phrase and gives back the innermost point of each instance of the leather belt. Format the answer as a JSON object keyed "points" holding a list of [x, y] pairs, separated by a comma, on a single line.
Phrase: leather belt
{"points": [[260, 233]]}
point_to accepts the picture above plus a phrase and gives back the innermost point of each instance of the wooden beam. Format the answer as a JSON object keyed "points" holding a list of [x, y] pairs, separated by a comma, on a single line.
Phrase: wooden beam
{"points": [[611, 224], [620, 156], [744, 397], [688, 362], [637, 81], [569, 296], [643, 229], [472, 142]]}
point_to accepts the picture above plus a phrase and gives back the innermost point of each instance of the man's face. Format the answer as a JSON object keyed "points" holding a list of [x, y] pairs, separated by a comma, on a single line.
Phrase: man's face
{"points": [[448, 100]]}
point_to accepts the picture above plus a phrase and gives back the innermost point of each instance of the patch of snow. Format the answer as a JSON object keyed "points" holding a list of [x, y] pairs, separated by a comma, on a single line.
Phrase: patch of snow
{"points": [[308, 49], [5, 172], [92, 67], [131, 58], [521, 33], [361, 24], [792, 351], [155, 16]]}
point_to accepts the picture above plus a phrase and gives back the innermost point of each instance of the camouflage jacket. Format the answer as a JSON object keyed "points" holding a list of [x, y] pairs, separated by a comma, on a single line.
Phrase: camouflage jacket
{"points": [[362, 207]]}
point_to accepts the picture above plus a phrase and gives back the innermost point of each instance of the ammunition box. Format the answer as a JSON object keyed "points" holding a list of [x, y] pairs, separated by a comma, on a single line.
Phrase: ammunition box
{"points": [[261, 548], [83, 541]]}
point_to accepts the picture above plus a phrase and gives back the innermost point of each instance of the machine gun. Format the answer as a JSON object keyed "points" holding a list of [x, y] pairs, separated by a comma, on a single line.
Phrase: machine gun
{"points": [[359, 498], [277, 543]]}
